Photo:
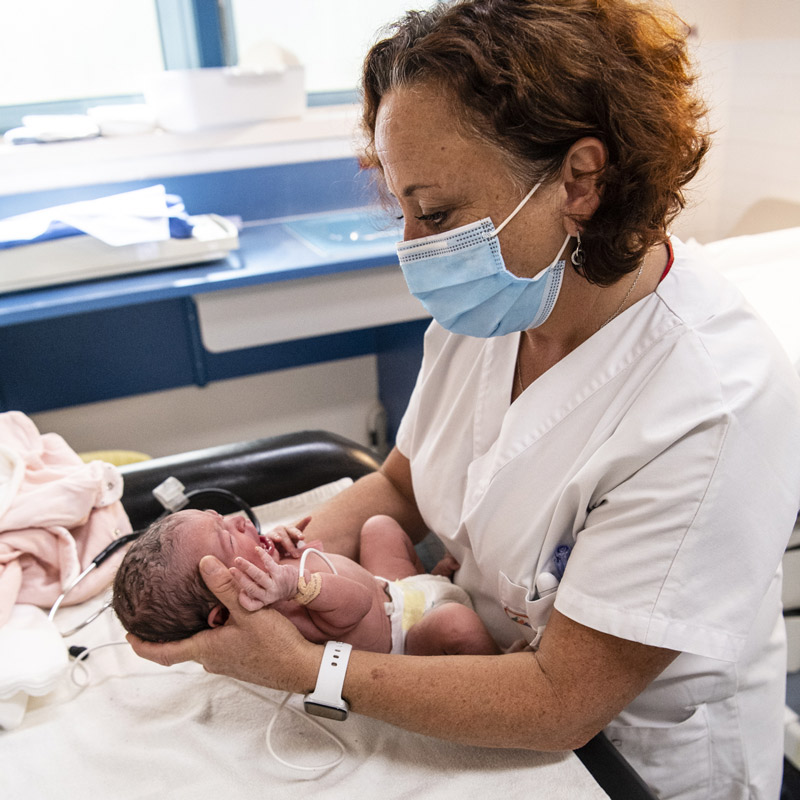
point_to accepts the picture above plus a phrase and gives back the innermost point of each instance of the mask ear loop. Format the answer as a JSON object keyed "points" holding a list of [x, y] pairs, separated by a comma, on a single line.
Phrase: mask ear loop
{"points": [[560, 252], [514, 212], [554, 261]]}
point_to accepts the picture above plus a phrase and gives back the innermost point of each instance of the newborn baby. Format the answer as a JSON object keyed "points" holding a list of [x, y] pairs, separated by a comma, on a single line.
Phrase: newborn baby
{"points": [[387, 603]]}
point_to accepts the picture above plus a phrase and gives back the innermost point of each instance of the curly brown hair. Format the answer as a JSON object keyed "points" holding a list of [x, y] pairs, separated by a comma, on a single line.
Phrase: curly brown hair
{"points": [[535, 76]]}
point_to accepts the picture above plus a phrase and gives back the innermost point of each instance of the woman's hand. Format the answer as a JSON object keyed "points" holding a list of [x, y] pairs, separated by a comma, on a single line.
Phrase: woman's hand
{"points": [[260, 647]]}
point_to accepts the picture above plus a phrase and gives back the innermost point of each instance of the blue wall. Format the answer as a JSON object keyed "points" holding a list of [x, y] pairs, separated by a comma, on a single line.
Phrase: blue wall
{"points": [[258, 193]]}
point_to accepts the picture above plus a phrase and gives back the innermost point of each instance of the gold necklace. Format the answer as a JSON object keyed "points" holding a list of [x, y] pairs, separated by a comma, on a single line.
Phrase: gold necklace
{"points": [[624, 299]]}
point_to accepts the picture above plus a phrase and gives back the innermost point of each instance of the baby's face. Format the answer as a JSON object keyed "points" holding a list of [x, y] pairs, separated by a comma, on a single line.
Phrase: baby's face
{"points": [[206, 533]]}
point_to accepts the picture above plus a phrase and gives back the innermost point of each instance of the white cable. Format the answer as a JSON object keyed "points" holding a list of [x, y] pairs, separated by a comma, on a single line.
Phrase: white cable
{"points": [[322, 555], [79, 659], [315, 768], [268, 734]]}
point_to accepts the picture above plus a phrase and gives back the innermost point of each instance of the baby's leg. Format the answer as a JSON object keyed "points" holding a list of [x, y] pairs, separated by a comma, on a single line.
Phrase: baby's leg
{"points": [[450, 630], [387, 551]]}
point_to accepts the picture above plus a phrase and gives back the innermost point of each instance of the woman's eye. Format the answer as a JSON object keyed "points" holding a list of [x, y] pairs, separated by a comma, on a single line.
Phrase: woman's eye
{"points": [[436, 218]]}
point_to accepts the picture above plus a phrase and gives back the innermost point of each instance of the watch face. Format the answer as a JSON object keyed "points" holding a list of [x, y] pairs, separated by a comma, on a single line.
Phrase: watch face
{"points": [[329, 712]]}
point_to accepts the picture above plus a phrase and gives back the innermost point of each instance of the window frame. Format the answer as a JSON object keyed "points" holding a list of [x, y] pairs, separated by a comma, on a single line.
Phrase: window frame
{"points": [[194, 34]]}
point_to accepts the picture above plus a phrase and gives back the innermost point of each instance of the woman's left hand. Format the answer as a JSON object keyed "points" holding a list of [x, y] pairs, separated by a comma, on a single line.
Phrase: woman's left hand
{"points": [[260, 647]]}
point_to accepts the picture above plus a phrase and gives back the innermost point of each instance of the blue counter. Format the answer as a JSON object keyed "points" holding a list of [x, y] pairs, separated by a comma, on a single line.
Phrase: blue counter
{"points": [[97, 340], [286, 249]]}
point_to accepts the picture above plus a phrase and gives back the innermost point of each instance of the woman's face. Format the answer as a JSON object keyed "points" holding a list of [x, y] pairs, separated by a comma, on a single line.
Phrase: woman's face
{"points": [[443, 178]]}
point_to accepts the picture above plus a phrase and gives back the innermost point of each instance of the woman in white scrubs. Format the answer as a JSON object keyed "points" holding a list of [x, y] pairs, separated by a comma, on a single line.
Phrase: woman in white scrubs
{"points": [[602, 433]]}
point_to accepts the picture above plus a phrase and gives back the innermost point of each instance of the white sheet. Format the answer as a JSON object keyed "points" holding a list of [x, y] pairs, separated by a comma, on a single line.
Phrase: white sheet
{"points": [[142, 731], [766, 268]]}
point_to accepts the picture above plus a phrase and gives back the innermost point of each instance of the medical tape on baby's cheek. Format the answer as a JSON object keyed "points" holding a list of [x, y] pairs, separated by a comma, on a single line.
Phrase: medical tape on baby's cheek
{"points": [[307, 590]]}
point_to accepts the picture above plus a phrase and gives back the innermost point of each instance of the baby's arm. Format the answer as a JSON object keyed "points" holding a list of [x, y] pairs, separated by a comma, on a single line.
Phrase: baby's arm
{"points": [[335, 603], [340, 605]]}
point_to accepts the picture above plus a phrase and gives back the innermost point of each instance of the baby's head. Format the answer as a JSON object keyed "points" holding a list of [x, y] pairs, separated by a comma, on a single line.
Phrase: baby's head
{"points": [[158, 592]]}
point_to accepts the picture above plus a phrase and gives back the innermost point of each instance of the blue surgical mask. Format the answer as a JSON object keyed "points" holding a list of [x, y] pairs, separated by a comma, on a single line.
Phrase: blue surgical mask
{"points": [[460, 278]]}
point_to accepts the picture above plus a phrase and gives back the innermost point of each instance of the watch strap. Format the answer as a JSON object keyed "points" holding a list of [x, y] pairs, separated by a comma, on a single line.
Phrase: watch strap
{"points": [[330, 678]]}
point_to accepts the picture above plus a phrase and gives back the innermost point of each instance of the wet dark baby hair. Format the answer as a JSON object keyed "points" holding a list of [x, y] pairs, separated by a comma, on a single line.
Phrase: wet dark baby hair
{"points": [[158, 595]]}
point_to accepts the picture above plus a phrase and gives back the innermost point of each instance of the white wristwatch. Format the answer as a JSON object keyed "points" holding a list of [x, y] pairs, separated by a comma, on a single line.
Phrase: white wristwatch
{"points": [[326, 699]]}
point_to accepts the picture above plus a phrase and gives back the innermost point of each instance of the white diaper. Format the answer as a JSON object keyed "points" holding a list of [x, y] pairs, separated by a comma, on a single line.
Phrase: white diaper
{"points": [[413, 598]]}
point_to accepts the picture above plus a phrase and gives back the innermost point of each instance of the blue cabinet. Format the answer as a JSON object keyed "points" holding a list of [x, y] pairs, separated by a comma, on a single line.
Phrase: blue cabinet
{"points": [[68, 345]]}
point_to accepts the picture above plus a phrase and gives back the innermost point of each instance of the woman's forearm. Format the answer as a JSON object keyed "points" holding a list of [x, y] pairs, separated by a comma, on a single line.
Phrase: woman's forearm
{"points": [[554, 699], [338, 523], [489, 701]]}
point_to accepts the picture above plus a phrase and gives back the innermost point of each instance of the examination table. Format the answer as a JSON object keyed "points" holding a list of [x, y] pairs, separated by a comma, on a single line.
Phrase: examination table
{"points": [[139, 730]]}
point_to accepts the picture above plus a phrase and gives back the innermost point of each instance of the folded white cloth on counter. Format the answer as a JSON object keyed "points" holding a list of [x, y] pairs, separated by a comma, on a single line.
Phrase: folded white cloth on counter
{"points": [[143, 215]]}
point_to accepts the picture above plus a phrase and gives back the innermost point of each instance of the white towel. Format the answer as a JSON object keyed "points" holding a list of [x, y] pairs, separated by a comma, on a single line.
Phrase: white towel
{"points": [[33, 660]]}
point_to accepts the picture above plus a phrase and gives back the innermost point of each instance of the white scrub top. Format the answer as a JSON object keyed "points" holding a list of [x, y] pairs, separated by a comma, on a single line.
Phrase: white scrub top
{"points": [[665, 452]]}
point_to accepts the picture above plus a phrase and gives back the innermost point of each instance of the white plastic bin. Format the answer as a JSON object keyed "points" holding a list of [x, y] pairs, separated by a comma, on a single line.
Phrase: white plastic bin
{"points": [[187, 100]]}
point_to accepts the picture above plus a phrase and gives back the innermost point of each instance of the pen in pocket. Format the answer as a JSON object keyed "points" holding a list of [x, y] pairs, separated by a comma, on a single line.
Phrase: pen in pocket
{"points": [[547, 581]]}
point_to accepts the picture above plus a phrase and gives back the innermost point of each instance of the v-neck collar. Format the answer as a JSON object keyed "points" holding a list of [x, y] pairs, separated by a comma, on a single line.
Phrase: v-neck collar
{"points": [[563, 387]]}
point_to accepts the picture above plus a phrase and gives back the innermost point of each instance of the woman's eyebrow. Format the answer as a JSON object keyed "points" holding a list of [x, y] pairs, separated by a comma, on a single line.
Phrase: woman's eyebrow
{"points": [[415, 187], [412, 188]]}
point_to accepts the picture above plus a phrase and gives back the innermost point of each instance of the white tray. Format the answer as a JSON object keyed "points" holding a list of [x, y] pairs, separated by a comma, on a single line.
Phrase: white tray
{"points": [[79, 258]]}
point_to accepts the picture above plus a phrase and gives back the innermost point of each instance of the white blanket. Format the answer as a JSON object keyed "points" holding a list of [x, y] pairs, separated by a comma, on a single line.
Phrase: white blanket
{"points": [[140, 731]]}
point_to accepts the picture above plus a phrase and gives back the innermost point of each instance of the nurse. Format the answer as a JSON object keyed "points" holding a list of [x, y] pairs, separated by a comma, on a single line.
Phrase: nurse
{"points": [[602, 432]]}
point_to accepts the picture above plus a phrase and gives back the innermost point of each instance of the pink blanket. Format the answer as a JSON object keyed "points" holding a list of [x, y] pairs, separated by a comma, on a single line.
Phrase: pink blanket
{"points": [[56, 514]]}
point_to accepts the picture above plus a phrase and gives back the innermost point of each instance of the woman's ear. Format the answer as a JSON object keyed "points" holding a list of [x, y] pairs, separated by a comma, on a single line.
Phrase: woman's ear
{"points": [[583, 166], [217, 616]]}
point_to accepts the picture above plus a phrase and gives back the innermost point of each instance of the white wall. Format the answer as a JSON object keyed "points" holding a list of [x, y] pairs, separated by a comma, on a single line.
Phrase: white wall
{"points": [[338, 396], [749, 55]]}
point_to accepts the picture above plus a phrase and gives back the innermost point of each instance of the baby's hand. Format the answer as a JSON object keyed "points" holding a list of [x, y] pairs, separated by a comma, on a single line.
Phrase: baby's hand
{"points": [[446, 567], [286, 537], [263, 587]]}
